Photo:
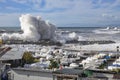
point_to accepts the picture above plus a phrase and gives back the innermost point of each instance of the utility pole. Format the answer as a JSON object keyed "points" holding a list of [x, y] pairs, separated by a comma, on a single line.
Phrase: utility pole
{"points": [[117, 48], [117, 51]]}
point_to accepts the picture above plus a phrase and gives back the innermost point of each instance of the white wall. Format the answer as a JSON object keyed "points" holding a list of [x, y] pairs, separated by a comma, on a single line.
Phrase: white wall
{"points": [[30, 75], [101, 47]]}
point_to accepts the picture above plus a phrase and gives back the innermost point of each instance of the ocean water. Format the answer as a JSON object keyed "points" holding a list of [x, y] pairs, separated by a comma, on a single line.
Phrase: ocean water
{"points": [[85, 33], [88, 33], [10, 29]]}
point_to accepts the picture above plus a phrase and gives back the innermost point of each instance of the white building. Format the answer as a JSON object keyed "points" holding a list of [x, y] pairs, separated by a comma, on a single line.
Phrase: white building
{"points": [[30, 74]]}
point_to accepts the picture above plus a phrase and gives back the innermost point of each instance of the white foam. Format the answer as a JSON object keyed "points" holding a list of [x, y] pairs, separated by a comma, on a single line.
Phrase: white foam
{"points": [[115, 28], [80, 38], [107, 28], [73, 36], [69, 37], [107, 31], [34, 29]]}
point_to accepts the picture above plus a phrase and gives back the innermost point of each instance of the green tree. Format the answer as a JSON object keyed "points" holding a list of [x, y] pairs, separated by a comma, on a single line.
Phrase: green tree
{"points": [[1, 41], [53, 64], [28, 58], [116, 70]]}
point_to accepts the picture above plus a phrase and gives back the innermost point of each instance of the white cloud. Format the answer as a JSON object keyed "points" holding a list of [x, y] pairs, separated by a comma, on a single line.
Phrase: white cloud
{"points": [[110, 16], [2, 0], [80, 12], [49, 4], [12, 8], [116, 3], [20, 1]]}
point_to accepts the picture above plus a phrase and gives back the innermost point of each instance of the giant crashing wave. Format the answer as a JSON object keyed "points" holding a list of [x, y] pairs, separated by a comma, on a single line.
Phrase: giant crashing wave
{"points": [[34, 29]]}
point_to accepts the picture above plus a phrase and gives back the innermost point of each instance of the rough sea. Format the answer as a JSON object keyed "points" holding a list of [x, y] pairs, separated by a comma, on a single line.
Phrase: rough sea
{"points": [[84, 33]]}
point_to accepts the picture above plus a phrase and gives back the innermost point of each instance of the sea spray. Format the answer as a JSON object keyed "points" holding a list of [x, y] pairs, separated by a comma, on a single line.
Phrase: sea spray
{"points": [[108, 30], [73, 36], [34, 29]]}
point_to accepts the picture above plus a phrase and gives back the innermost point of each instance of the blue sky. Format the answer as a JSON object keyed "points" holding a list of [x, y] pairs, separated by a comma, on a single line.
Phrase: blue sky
{"points": [[65, 13]]}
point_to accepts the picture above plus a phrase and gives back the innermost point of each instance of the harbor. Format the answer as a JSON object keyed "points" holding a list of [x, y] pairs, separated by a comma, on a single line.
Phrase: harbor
{"points": [[51, 60]]}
